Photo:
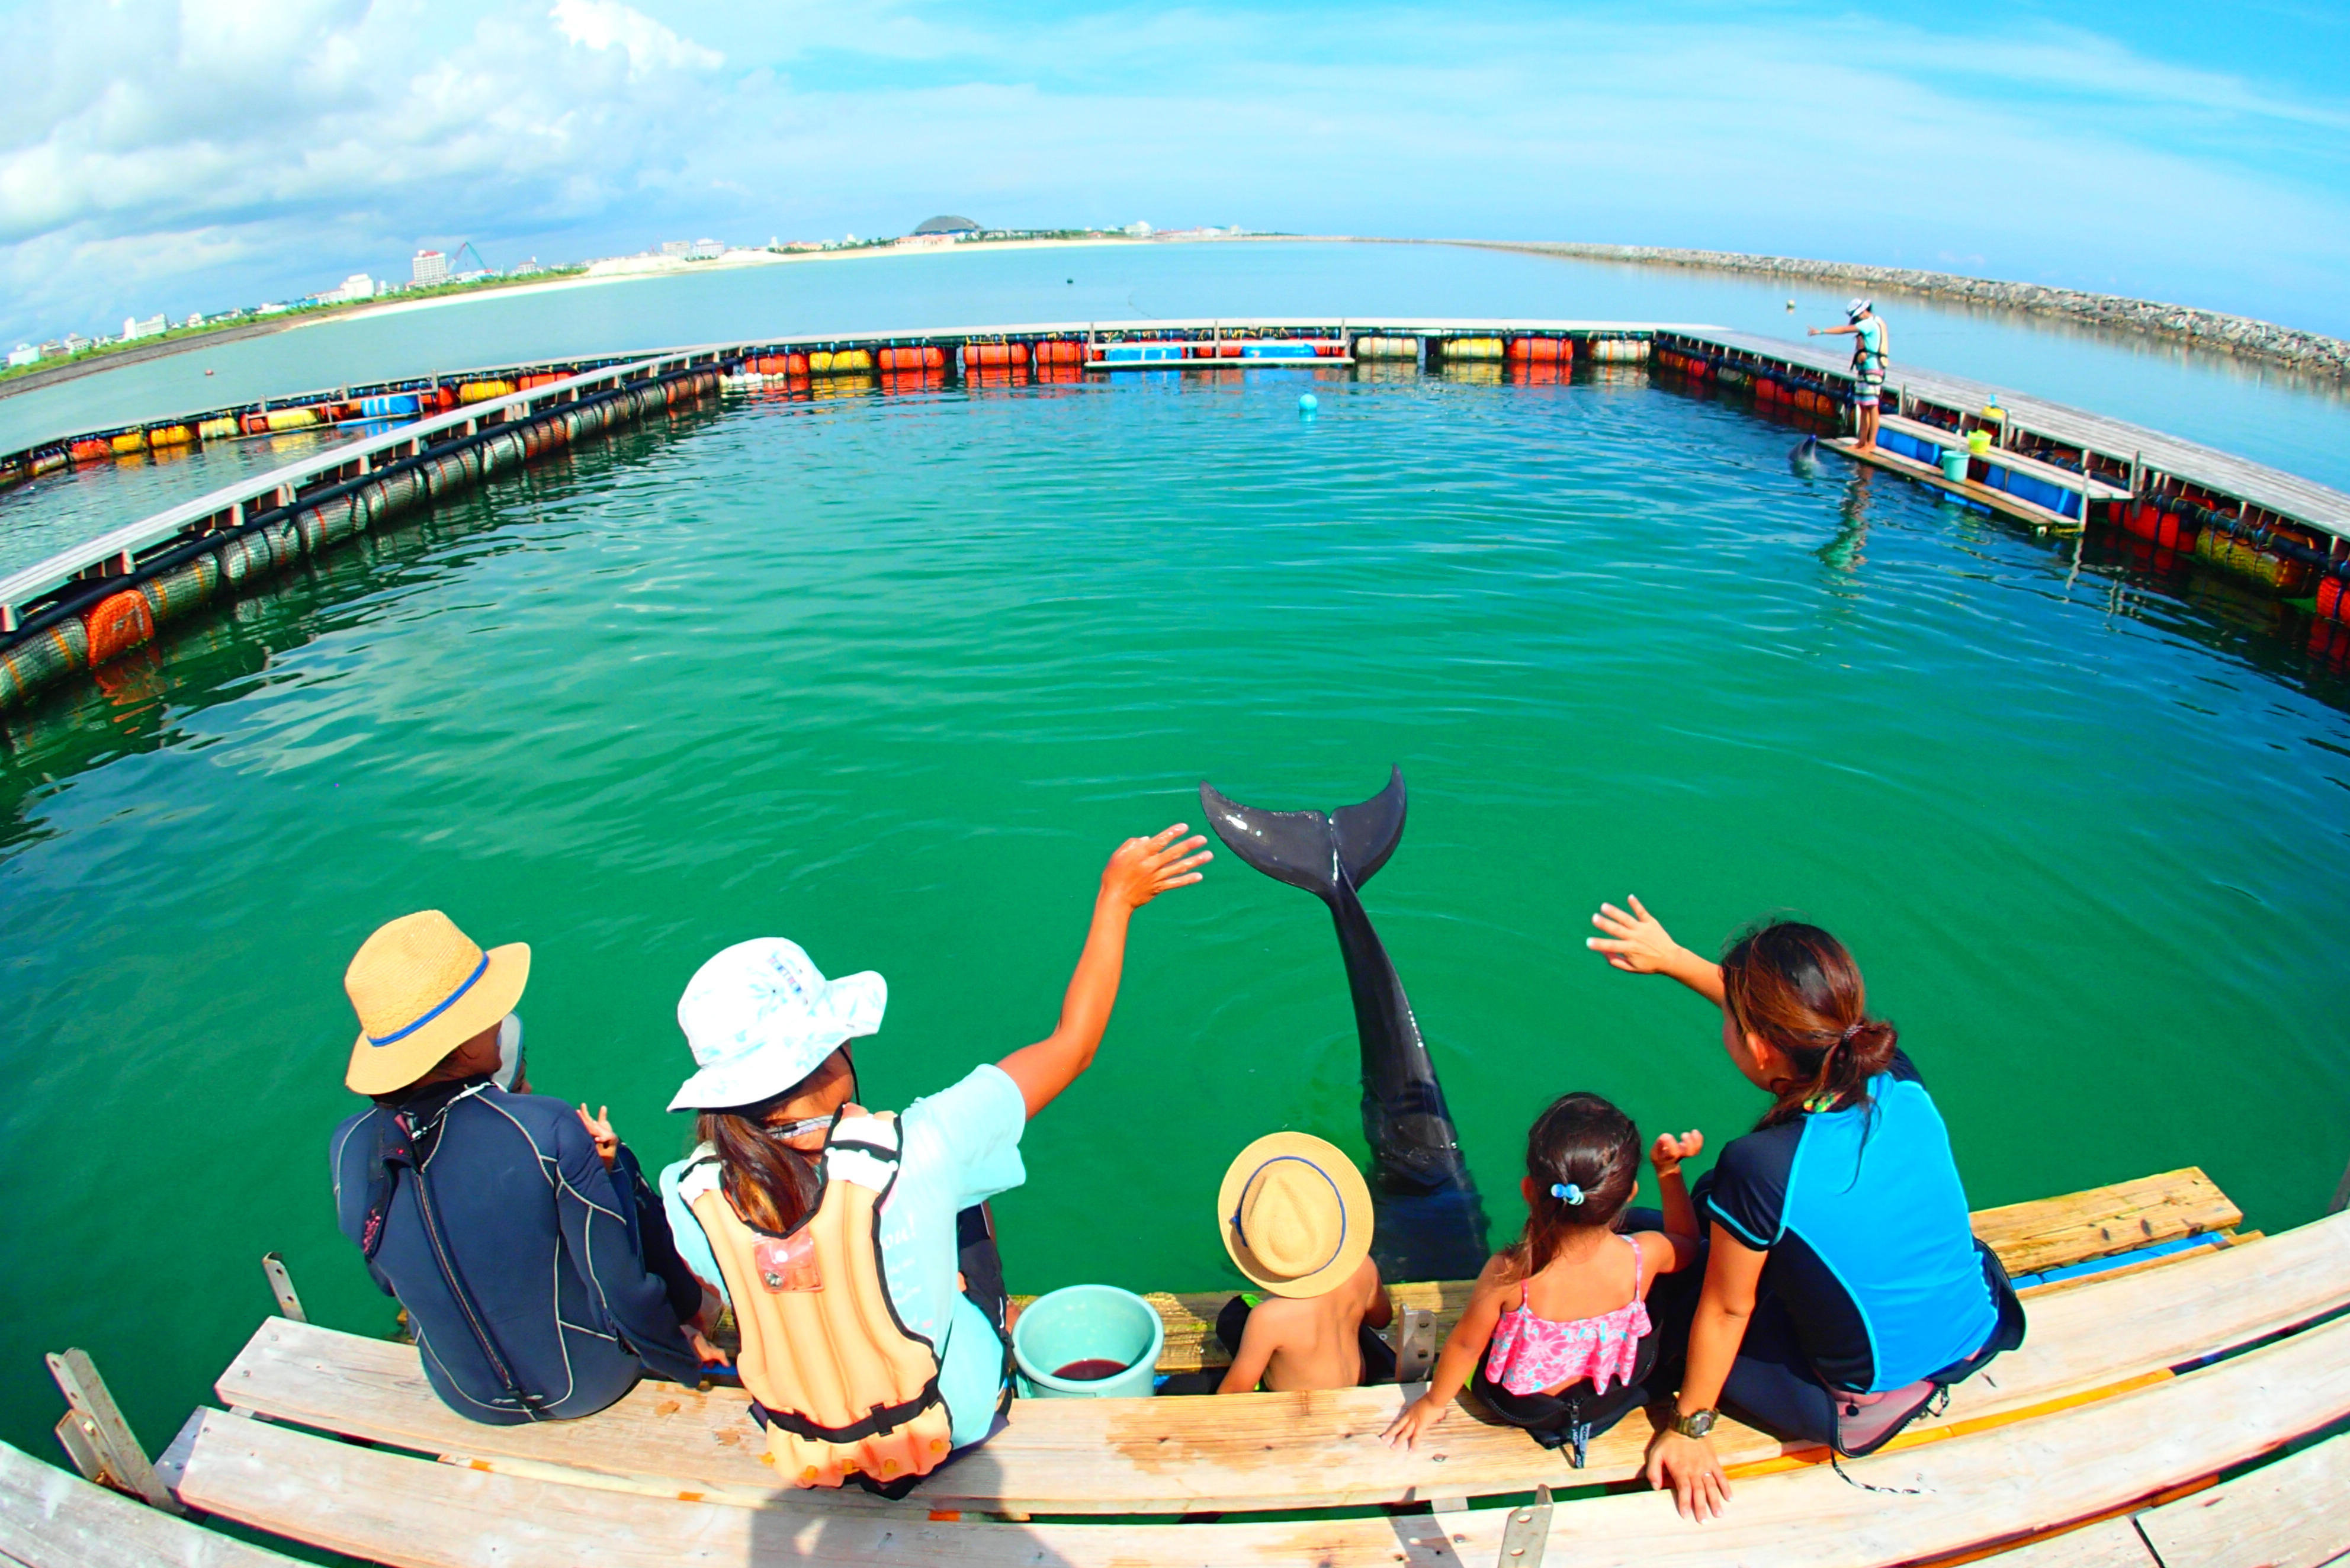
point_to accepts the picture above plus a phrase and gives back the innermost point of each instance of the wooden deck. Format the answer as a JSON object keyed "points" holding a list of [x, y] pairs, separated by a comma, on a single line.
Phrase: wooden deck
{"points": [[2113, 1404], [1934, 1498], [2303, 501]]}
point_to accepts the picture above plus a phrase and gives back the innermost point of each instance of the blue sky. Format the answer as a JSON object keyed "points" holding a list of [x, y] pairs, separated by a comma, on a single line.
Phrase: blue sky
{"points": [[181, 156]]}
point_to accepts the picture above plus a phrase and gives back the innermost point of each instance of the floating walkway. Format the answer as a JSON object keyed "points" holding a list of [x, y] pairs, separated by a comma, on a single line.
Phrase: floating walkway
{"points": [[409, 441], [2167, 1349]]}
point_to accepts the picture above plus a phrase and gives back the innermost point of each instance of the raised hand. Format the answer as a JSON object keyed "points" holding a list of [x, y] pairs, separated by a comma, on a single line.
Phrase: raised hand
{"points": [[1143, 868], [1636, 943], [1668, 1152], [600, 1128]]}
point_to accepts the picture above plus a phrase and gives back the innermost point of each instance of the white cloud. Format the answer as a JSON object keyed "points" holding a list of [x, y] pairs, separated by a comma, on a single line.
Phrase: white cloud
{"points": [[650, 48]]}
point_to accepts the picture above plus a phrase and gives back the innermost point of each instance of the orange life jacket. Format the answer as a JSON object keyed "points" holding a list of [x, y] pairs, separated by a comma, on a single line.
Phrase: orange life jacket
{"points": [[848, 1388]]}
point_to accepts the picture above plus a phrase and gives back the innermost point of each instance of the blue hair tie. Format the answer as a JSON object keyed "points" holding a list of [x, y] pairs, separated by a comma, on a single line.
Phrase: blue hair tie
{"points": [[1568, 1190]]}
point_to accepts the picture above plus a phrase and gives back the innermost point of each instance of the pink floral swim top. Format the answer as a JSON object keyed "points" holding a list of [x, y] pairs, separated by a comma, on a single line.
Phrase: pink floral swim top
{"points": [[1531, 1354]]}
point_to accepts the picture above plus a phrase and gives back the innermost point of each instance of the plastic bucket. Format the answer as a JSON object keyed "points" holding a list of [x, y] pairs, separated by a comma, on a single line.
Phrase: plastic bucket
{"points": [[1954, 464], [1979, 442], [1096, 1324]]}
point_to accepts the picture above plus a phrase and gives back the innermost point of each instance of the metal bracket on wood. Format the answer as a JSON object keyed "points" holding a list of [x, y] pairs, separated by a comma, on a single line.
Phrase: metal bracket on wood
{"points": [[104, 1440], [1526, 1531], [1415, 1345], [281, 1285]]}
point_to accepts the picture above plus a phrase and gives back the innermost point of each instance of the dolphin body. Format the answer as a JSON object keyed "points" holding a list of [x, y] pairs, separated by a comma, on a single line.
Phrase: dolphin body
{"points": [[1805, 457], [1430, 1223]]}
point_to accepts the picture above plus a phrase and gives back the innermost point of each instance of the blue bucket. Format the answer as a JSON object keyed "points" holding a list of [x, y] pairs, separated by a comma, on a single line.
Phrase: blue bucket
{"points": [[1954, 463], [1087, 1324]]}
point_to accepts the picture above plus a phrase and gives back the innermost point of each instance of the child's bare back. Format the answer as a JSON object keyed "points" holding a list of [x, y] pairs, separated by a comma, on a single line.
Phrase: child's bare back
{"points": [[1310, 1342]]}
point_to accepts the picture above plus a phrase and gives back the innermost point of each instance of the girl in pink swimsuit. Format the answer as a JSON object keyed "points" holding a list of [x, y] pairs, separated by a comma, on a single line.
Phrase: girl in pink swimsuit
{"points": [[1556, 1337]]}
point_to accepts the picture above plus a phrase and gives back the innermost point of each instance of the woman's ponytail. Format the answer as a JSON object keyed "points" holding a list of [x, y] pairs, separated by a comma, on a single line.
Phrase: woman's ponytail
{"points": [[1797, 988]]}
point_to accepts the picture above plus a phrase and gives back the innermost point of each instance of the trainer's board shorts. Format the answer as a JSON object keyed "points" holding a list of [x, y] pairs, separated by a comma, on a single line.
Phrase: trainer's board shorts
{"points": [[1869, 390]]}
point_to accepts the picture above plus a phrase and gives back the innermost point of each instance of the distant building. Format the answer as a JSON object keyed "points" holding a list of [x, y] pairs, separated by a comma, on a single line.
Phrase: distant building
{"points": [[428, 266], [133, 329], [74, 343], [358, 286], [1140, 231], [947, 224], [676, 247], [24, 354], [704, 250]]}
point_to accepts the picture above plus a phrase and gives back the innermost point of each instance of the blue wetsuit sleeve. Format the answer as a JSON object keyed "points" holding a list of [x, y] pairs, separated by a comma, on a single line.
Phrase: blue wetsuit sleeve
{"points": [[1904, 1071], [604, 1235], [348, 1154], [1748, 1191]]}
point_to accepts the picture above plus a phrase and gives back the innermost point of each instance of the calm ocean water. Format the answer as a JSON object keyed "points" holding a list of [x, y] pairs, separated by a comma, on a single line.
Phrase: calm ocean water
{"points": [[2258, 412], [891, 675]]}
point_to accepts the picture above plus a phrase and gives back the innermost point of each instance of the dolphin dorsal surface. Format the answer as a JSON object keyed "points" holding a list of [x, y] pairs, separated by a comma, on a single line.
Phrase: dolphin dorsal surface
{"points": [[1431, 1222]]}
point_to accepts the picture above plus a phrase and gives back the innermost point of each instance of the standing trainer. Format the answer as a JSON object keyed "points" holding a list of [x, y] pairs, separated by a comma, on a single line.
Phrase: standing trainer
{"points": [[537, 1268], [1867, 332]]}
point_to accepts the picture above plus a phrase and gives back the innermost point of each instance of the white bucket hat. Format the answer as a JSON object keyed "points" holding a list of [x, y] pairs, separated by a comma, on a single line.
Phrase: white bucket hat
{"points": [[1857, 308], [759, 1016]]}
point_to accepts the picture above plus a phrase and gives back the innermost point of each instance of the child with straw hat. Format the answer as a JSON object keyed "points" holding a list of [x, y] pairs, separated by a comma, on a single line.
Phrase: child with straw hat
{"points": [[1296, 1217]]}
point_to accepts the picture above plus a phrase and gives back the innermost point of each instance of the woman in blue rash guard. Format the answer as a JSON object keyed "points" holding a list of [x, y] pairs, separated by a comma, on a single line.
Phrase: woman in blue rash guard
{"points": [[1842, 1285]]}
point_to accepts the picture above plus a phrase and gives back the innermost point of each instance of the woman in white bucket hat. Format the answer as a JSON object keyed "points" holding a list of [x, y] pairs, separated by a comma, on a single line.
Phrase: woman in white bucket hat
{"points": [[782, 1140]]}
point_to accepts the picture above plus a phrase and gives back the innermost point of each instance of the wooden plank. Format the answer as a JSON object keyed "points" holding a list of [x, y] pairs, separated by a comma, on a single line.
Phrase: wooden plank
{"points": [[2052, 1232], [2112, 1543], [2064, 478], [2294, 1514], [1265, 1450], [1933, 1501], [1984, 496], [49, 1519]]}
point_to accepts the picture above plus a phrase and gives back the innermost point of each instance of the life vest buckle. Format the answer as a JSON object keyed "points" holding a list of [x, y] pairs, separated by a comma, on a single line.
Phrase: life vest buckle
{"points": [[787, 1263]]}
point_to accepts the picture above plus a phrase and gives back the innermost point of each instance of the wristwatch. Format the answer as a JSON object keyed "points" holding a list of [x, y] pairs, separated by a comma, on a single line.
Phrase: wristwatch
{"points": [[1696, 1424]]}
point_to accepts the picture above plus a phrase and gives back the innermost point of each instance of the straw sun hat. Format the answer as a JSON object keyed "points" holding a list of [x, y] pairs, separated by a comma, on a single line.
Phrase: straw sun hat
{"points": [[423, 988], [1295, 1214]]}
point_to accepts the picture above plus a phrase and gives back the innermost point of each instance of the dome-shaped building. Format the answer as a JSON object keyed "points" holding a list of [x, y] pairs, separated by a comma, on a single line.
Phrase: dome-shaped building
{"points": [[946, 224]]}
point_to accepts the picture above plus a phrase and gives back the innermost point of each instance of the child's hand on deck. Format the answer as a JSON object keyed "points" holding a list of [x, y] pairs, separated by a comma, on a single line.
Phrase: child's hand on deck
{"points": [[1420, 1415], [1668, 1152], [600, 1128], [1636, 942]]}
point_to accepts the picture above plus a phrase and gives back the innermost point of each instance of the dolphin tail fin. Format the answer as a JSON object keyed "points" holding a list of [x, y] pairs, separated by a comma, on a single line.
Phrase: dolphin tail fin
{"points": [[1368, 832], [1306, 849]]}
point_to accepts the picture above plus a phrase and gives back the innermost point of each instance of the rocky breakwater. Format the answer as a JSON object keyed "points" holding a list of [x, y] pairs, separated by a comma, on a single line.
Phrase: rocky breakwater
{"points": [[2238, 334]]}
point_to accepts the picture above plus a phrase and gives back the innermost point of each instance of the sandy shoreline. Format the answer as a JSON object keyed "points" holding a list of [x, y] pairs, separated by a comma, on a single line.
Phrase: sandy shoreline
{"points": [[121, 357]]}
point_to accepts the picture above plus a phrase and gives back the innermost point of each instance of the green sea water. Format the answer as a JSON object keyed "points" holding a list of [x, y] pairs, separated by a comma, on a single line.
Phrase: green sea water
{"points": [[890, 676]]}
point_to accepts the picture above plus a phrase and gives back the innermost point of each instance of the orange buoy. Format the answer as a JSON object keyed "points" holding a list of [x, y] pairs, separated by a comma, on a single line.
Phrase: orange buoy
{"points": [[91, 451], [119, 623], [2334, 599], [994, 356], [1539, 350]]}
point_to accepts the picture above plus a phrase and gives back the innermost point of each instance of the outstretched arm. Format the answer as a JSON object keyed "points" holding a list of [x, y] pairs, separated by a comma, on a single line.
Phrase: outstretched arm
{"points": [[1638, 943], [1457, 1362], [1140, 871], [1829, 331]]}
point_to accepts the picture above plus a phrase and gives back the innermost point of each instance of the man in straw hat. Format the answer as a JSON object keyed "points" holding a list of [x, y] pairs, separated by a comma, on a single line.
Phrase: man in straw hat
{"points": [[1295, 1215], [535, 1266]]}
